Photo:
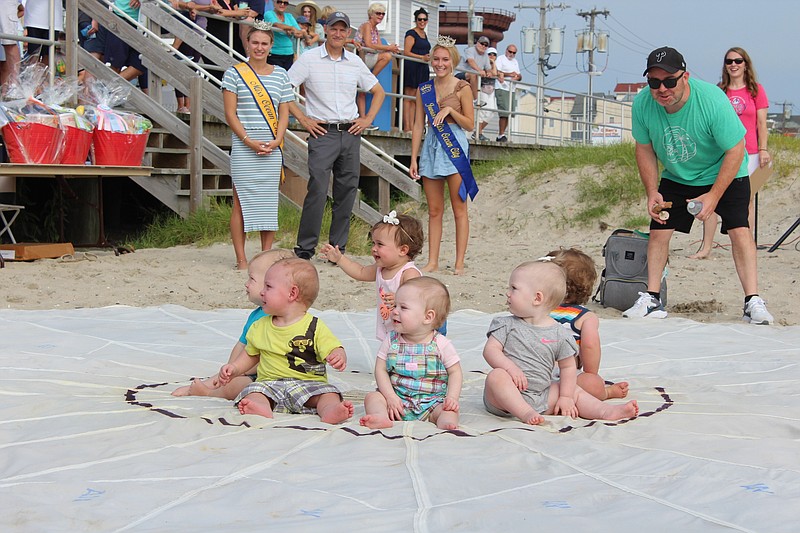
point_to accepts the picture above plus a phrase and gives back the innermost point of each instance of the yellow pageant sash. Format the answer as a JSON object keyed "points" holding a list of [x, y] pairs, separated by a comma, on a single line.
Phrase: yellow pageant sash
{"points": [[263, 101]]}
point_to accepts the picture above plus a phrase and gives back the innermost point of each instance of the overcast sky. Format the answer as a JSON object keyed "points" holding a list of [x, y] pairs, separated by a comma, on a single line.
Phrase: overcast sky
{"points": [[702, 30]]}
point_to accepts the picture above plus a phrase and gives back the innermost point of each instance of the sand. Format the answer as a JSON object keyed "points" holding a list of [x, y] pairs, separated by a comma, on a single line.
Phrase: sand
{"points": [[509, 224]]}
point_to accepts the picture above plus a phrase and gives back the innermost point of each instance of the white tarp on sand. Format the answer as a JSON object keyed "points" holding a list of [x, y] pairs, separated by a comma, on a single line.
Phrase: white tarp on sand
{"points": [[91, 440]]}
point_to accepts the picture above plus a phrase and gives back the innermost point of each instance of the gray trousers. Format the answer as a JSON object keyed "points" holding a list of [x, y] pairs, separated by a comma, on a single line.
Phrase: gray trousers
{"points": [[336, 151]]}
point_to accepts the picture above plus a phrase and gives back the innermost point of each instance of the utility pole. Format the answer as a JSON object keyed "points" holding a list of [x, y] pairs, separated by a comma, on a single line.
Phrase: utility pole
{"points": [[591, 15], [543, 7], [787, 114], [470, 15]]}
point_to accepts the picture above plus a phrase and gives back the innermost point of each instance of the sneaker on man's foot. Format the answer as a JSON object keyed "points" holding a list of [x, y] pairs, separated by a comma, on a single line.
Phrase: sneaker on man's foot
{"points": [[502, 139], [755, 312], [482, 137], [647, 306]]}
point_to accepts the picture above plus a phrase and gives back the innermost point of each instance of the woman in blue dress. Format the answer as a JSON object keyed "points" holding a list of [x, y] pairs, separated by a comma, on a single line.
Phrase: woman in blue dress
{"points": [[454, 98], [416, 45]]}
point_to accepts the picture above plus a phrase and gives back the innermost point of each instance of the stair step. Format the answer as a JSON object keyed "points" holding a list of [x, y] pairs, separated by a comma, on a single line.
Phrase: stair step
{"points": [[160, 150], [185, 171], [206, 192]]}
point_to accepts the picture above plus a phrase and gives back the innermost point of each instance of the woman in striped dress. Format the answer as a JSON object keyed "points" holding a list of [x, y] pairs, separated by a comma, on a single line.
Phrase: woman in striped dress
{"points": [[257, 136]]}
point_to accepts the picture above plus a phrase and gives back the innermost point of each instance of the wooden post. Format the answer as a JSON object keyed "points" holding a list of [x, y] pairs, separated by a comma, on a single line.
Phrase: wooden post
{"points": [[196, 144], [71, 29]]}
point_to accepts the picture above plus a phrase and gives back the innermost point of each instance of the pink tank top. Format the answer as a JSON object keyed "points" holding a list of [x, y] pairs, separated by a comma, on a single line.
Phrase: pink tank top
{"points": [[383, 320]]}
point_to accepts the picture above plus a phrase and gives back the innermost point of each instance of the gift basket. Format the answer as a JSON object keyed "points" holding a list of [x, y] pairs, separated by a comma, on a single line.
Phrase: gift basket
{"points": [[77, 128], [31, 129], [119, 137]]}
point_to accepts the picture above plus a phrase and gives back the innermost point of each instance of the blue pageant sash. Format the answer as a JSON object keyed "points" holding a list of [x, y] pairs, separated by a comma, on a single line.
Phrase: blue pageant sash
{"points": [[449, 142]]}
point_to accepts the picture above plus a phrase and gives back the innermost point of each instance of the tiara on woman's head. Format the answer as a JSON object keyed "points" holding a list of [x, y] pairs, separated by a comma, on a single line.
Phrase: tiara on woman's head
{"points": [[262, 25], [446, 41]]}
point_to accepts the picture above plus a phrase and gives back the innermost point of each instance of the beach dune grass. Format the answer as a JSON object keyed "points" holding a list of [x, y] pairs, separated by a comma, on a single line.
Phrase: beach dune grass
{"points": [[207, 226], [611, 181]]}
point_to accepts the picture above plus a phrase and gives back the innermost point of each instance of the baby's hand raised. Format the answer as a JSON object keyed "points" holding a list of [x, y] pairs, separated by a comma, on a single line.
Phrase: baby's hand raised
{"points": [[337, 359], [566, 406], [450, 404], [331, 253]]}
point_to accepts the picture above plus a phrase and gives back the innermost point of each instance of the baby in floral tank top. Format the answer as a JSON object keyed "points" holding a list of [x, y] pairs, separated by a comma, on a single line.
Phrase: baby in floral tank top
{"points": [[417, 371], [397, 240]]}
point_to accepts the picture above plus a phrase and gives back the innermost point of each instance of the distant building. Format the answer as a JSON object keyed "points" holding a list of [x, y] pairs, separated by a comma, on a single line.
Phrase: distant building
{"points": [[790, 127], [399, 16], [454, 22], [565, 116], [625, 92]]}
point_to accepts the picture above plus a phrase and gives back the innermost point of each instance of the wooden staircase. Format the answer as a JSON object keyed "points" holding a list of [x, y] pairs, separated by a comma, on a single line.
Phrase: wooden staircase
{"points": [[169, 147]]}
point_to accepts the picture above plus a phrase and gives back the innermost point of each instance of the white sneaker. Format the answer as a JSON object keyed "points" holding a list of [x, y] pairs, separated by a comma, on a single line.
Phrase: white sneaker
{"points": [[755, 312], [647, 306]]}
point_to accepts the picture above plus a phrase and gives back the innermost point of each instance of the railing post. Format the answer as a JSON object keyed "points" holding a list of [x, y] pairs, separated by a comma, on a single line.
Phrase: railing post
{"points": [[71, 29], [196, 144]]}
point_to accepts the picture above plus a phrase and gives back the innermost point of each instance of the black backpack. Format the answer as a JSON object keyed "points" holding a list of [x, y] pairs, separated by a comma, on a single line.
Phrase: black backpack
{"points": [[625, 272]]}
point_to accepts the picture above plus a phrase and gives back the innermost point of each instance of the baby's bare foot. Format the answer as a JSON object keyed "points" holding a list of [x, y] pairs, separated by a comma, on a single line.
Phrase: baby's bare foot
{"points": [[375, 422], [250, 407], [532, 417], [198, 387], [449, 426], [182, 391], [628, 410], [338, 413], [617, 390]]}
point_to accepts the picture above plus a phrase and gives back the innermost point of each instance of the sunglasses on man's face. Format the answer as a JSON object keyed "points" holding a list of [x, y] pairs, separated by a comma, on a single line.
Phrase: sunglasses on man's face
{"points": [[738, 61], [669, 83]]}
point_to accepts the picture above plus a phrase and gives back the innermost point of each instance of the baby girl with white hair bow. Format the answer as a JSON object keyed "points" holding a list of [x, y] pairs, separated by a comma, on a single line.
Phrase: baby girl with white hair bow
{"points": [[396, 241]]}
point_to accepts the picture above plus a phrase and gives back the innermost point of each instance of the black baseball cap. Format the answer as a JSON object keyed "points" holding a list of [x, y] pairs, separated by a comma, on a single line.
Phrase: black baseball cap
{"points": [[338, 16], [665, 58]]}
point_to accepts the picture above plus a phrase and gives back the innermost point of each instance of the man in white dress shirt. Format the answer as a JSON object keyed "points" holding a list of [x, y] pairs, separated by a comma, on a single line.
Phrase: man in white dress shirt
{"points": [[331, 76]]}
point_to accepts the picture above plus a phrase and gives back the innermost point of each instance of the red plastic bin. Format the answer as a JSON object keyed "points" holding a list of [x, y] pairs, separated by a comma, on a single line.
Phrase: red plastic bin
{"points": [[118, 149], [39, 142], [77, 143]]}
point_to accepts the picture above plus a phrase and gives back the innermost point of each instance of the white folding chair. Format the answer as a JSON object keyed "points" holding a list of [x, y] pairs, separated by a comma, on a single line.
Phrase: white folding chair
{"points": [[6, 222]]}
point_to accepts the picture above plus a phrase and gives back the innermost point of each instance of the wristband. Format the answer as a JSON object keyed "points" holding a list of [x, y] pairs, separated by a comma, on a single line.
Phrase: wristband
{"points": [[763, 150]]}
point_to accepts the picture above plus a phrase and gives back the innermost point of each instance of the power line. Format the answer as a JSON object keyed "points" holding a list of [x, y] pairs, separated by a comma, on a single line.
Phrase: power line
{"points": [[639, 48], [640, 51], [650, 46]]}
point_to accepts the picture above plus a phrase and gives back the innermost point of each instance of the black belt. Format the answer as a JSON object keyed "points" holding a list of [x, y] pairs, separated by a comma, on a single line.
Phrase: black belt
{"points": [[340, 126]]}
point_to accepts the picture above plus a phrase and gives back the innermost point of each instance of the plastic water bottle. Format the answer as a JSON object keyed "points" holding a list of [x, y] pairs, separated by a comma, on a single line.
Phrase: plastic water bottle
{"points": [[694, 207]]}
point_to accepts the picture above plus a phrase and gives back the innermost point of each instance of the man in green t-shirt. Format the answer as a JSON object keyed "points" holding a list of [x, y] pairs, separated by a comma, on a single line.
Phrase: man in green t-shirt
{"points": [[691, 128]]}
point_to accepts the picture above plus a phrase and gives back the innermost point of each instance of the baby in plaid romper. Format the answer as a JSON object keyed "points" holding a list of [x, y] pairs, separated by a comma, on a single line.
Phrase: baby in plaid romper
{"points": [[418, 371]]}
